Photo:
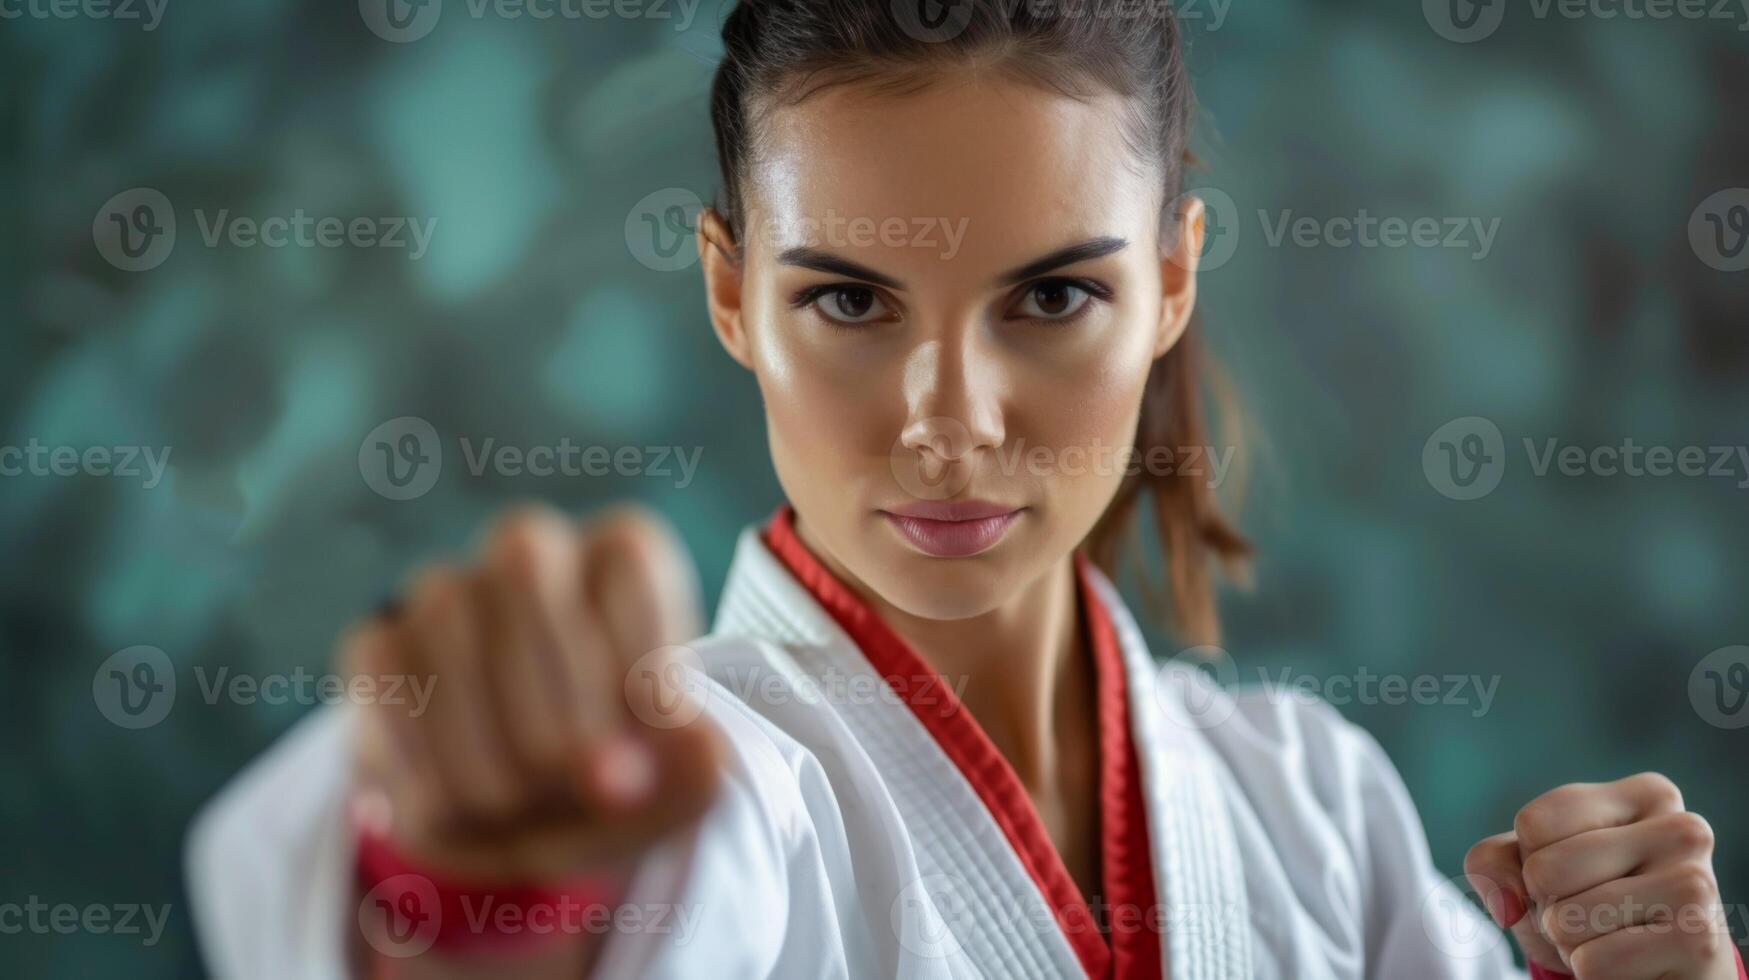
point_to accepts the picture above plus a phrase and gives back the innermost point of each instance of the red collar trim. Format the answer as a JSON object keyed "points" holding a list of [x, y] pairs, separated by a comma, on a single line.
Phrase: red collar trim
{"points": [[1126, 868]]}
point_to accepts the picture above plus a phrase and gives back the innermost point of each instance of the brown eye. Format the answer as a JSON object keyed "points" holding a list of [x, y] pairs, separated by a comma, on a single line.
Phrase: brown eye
{"points": [[1053, 299], [851, 304]]}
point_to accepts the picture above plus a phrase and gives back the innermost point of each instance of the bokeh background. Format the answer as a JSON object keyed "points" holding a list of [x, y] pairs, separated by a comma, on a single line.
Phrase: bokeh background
{"points": [[555, 157]]}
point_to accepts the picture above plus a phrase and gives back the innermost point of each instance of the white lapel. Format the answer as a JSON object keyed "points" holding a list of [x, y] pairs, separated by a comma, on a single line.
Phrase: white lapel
{"points": [[1000, 916], [980, 891], [1196, 857]]}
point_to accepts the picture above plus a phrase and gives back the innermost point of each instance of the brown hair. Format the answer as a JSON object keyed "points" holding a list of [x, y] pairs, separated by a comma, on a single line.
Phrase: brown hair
{"points": [[777, 50]]}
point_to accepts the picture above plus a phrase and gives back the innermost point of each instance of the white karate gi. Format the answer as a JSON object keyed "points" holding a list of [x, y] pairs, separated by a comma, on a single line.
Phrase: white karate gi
{"points": [[845, 843]]}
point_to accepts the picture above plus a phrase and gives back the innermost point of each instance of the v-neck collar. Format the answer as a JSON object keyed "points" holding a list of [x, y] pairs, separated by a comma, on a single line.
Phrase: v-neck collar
{"points": [[1132, 946]]}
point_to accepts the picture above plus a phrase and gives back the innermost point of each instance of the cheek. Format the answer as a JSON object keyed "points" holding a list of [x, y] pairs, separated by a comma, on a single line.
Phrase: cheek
{"points": [[829, 411], [1087, 412]]}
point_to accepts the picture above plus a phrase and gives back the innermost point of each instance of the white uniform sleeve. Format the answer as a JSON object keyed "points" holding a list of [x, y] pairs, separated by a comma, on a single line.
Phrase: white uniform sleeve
{"points": [[745, 894], [1418, 921]]}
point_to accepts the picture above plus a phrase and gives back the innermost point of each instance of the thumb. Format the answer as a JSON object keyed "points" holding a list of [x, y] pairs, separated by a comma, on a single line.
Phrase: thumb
{"points": [[1496, 871]]}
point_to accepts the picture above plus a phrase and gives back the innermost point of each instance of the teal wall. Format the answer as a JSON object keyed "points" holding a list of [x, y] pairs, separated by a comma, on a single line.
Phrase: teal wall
{"points": [[540, 309]]}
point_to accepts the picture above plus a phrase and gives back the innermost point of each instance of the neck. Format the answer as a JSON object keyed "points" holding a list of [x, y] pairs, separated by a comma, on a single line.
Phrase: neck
{"points": [[1020, 665]]}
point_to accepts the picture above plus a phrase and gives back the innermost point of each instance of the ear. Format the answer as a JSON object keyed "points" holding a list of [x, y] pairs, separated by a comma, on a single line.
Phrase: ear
{"points": [[721, 260], [1180, 251]]}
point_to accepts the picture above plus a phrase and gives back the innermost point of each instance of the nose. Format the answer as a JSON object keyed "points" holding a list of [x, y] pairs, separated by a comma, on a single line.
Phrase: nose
{"points": [[953, 400]]}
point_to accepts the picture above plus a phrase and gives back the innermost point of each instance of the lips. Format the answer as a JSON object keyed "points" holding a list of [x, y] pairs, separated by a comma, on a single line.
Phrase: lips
{"points": [[952, 528]]}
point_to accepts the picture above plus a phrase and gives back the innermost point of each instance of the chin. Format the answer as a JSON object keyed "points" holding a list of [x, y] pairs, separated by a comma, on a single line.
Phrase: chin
{"points": [[944, 588]]}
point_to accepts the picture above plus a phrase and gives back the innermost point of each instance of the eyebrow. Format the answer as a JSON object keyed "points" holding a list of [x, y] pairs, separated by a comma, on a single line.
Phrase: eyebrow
{"points": [[823, 261]]}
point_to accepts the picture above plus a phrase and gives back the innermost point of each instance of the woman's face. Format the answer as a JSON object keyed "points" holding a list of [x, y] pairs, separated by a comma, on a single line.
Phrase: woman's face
{"points": [[951, 299]]}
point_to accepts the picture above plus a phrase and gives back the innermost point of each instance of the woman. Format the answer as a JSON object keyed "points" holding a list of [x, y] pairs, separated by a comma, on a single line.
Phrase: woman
{"points": [[924, 737]]}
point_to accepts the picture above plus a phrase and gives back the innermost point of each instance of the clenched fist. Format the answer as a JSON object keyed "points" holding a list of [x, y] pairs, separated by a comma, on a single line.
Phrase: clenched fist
{"points": [[1609, 880], [530, 762]]}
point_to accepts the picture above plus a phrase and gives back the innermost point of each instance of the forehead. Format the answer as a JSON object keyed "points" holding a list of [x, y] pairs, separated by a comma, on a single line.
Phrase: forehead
{"points": [[1025, 168]]}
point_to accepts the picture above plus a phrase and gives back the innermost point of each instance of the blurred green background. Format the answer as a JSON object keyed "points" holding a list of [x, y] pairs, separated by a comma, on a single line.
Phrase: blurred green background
{"points": [[552, 155]]}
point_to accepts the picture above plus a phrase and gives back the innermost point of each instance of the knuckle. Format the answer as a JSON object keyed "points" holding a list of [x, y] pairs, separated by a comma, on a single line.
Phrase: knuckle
{"points": [[1476, 859], [1589, 961], [1538, 876], [1659, 789], [622, 544], [418, 812], [364, 648], [542, 747], [1692, 832], [1535, 821], [1549, 922], [633, 539], [436, 589], [1702, 944], [1567, 924], [628, 519], [1693, 883], [517, 546], [488, 797]]}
